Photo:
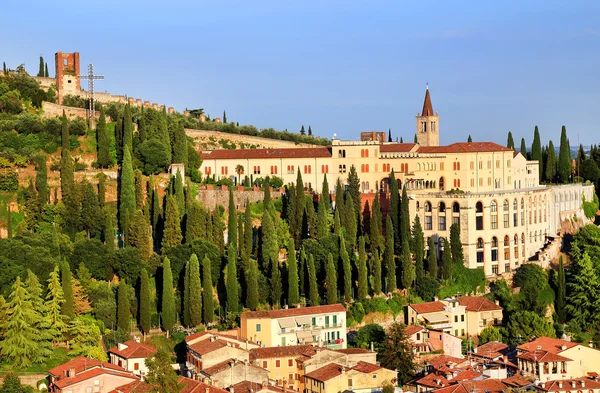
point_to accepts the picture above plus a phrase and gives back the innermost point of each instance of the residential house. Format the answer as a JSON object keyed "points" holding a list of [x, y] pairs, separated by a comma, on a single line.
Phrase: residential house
{"points": [[187, 386], [203, 353], [335, 378], [495, 354], [483, 385], [429, 342], [324, 325], [83, 375], [588, 385], [433, 381], [131, 355], [231, 372]]}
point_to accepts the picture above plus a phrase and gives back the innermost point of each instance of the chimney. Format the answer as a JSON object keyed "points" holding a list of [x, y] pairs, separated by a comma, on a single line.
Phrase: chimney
{"points": [[560, 384], [562, 347], [582, 383], [372, 350], [497, 302], [590, 344], [212, 338], [136, 339], [573, 383], [71, 373], [435, 298], [505, 359], [207, 390]]}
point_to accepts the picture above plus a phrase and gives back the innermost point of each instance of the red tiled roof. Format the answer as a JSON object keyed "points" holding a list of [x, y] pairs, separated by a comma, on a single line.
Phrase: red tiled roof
{"points": [[491, 350], [548, 344], [293, 312], [188, 386], [215, 368], [412, 329], [353, 351], [279, 352], [246, 386], [543, 356], [365, 367], [474, 303], [194, 336], [467, 375], [464, 147], [443, 361], [517, 381], [484, 385], [93, 373], [433, 381], [396, 147], [424, 308], [569, 385], [81, 364], [134, 350], [327, 372], [207, 346], [427, 107], [299, 152]]}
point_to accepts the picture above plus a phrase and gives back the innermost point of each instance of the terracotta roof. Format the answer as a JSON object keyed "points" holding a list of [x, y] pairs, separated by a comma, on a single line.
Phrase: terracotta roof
{"points": [[81, 364], [444, 362], [553, 345], [491, 350], [246, 386], [484, 385], [353, 351], [365, 367], [299, 152], [543, 356], [134, 350], [396, 147], [433, 381], [215, 368], [412, 329], [93, 373], [279, 352], [569, 385], [427, 107], [424, 308], [464, 147], [204, 347], [194, 336], [466, 375], [188, 386], [517, 381], [474, 303], [293, 312], [327, 372]]}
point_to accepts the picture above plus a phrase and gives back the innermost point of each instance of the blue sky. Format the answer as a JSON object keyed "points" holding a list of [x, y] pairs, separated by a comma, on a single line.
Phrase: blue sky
{"points": [[341, 66]]}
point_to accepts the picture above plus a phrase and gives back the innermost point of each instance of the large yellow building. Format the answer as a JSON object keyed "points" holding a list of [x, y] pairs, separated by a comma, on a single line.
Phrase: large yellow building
{"points": [[492, 191]]}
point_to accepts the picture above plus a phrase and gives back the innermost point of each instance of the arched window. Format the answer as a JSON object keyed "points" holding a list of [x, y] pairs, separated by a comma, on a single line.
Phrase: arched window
{"points": [[506, 214], [506, 248], [494, 249], [522, 211], [479, 216], [480, 254], [515, 217], [458, 166], [428, 220], [456, 213], [522, 245], [442, 216], [442, 183], [494, 215], [516, 247]]}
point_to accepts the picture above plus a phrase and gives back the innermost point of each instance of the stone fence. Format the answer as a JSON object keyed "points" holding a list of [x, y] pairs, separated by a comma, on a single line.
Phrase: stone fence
{"points": [[29, 379], [212, 197]]}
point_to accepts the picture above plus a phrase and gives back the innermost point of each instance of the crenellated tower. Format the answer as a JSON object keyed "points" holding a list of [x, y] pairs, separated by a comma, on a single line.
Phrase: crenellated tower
{"points": [[428, 124]]}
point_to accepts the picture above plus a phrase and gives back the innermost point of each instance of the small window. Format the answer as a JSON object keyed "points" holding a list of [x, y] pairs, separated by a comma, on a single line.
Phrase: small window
{"points": [[277, 363], [264, 364], [290, 362], [136, 366], [258, 327]]}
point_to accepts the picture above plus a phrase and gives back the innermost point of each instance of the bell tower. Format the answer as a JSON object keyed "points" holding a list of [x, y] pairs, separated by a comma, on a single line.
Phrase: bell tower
{"points": [[428, 124]]}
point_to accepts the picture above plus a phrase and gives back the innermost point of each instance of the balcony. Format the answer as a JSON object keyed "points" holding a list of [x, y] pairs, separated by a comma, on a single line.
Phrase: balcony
{"points": [[441, 326]]}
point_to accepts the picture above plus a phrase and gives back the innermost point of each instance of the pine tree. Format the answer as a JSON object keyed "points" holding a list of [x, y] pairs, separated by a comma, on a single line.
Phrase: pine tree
{"points": [[19, 342], [275, 284], [123, 307], [302, 132], [269, 247], [126, 191], [510, 143], [41, 180], [231, 281], [583, 293], [376, 226], [536, 151], [469, 139], [564, 157], [313, 291], [68, 307], [54, 300], [41, 69], [551, 163], [224, 117], [168, 314], [309, 131], [127, 130], [180, 148], [145, 313], [232, 222], [347, 270], [252, 284], [195, 292], [419, 248], [102, 141], [376, 263], [331, 281], [446, 262], [172, 231], [561, 292], [390, 263], [46, 73], [432, 263], [208, 304], [523, 149], [363, 288], [34, 296], [247, 250], [293, 290], [456, 244]]}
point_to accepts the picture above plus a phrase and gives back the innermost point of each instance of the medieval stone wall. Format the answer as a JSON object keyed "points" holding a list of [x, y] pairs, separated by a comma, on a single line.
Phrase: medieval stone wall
{"points": [[265, 143], [211, 197]]}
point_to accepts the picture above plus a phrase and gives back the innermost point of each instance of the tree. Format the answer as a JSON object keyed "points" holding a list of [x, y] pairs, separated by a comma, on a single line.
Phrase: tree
{"points": [[126, 191], [352, 221], [139, 235], [208, 308], [376, 263], [180, 148], [41, 69], [377, 241], [510, 143], [85, 340], [354, 190], [524, 326], [252, 284], [172, 230], [536, 151], [390, 135], [405, 236], [322, 219], [275, 283], [432, 264], [140, 186], [195, 226], [363, 288], [168, 314], [224, 117], [310, 131], [523, 149], [397, 353], [127, 130], [269, 247], [123, 306], [564, 157], [561, 294], [408, 269], [347, 270], [311, 219], [419, 248], [331, 281], [90, 210], [103, 141], [582, 292], [41, 180], [179, 193], [195, 292], [161, 377], [533, 281], [490, 333], [19, 342], [390, 263], [248, 232], [469, 139], [298, 214], [456, 244], [302, 132], [313, 291], [394, 211], [293, 289], [446, 262], [325, 193], [145, 312], [232, 222], [12, 384], [68, 307], [186, 295], [231, 281], [54, 301]]}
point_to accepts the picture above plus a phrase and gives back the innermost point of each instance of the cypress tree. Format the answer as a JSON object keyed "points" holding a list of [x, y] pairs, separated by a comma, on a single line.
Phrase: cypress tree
{"points": [[119, 139], [218, 229], [101, 189], [4, 69], [195, 224], [54, 300], [108, 228], [339, 196], [311, 217], [456, 244], [240, 233], [90, 210], [247, 250], [415, 139], [354, 190], [302, 132], [123, 308], [269, 247], [337, 226], [394, 212], [266, 195], [432, 263], [139, 235], [41, 180], [510, 142], [363, 289], [551, 163], [67, 179], [408, 269], [126, 191], [208, 302], [536, 151], [68, 307], [352, 227], [168, 314], [376, 263], [195, 292], [564, 157], [41, 69], [325, 193], [390, 135], [156, 209], [390, 263], [232, 222], [303, 272], [523, 149], [275, 283], [293, 290], [224, 117], [145, 312], [419, 248], [446, 262], [139, 189], [163, 134], [309, 131], [180, 148], [252, 284], [127, 130], [469, 139], [313, 291], [186, 295], [300, 204], [376, 226], [331, 281], [231, 281], [179, 194], [46, 73], [102, 141], [172, 232], [405, 236], [347, 270], [322, 219], [561, 292]]}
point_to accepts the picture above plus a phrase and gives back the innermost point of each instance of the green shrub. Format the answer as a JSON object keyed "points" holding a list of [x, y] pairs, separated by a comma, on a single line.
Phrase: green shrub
{"points": [[9, 181]]}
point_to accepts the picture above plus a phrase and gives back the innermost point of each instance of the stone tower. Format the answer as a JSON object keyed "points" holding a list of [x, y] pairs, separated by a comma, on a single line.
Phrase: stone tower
{"points": [[428, 124], [67, 74]]}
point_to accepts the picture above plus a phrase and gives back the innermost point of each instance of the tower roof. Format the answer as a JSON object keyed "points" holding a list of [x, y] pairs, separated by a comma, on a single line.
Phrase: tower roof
{"points": [[427, 107]]}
